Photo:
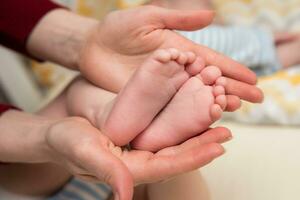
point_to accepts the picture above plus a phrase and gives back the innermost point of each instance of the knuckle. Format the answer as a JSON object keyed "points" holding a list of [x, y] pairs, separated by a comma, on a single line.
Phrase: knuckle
{"points": [[84, 148]]}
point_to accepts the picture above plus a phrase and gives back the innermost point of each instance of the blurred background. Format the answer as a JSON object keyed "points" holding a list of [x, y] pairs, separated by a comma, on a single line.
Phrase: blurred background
{"points": [[263, 161], [30, 85]]}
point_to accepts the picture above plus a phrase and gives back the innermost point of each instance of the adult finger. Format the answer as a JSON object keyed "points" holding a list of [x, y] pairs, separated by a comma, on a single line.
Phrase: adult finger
{"points": [[233, 103], [183, 20], [243, 90], [214, 135], [165, 166], [229, 67], [108, 168], [188, 156]]}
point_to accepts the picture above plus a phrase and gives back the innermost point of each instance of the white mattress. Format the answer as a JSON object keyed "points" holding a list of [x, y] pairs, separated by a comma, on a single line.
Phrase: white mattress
{"points": [[261, 163]]}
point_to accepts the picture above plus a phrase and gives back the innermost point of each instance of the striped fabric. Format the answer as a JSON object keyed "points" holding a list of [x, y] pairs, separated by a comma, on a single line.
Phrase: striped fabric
{"points": [[251, 46], [80, 190]]}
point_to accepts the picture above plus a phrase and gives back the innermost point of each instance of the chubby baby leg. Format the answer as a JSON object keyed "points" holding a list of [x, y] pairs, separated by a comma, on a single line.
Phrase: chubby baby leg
{"points": [[87, 100]]}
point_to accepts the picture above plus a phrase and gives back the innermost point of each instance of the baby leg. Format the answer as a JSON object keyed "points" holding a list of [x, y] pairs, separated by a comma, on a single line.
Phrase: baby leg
{"points": [[87, 100]]}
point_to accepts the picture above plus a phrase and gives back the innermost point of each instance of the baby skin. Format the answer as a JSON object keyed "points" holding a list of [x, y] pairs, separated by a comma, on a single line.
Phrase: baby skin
{"points": [[169, 99]]}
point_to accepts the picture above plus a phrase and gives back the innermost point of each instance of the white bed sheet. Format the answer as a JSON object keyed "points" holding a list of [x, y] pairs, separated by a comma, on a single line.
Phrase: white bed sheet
{"points": [[261, 163]]}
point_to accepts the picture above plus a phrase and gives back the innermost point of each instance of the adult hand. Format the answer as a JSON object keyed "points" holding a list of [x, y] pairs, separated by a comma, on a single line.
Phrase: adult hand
{"points": [[79, 147], [108, 52], [124, 39], [89, 155]]}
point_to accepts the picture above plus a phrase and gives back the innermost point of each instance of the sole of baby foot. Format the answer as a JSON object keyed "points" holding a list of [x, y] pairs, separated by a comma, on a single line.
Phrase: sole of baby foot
{"points": [[192, 110], [147, 92]]}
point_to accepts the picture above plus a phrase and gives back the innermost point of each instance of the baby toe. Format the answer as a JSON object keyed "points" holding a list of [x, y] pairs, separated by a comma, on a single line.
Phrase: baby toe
{"points": [[218, 90], [210, 74], [221, 101], [162, 55], [191, 57], [174, 53], [182, 59], [216, 112], [195, 67]]}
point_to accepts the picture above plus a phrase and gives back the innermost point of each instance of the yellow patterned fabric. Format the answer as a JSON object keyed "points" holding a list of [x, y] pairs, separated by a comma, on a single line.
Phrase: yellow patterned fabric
{"points": [[282, 90], [121, 4], [275, 14], [94, 8], [281, 104]]}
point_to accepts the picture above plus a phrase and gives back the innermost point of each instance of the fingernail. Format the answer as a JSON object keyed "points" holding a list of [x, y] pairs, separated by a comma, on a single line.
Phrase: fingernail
{"points": [[219, 151], [229, 138]]}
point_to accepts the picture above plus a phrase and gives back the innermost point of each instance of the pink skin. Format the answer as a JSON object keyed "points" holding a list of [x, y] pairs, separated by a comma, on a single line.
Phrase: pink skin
{"points": [[197, 105], [150, 88], [171, 89], [288, 51]]}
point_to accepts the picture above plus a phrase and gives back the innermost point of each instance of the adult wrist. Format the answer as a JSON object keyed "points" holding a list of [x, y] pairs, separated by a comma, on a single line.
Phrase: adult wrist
{"points": [[22, 138], [60, 37]]}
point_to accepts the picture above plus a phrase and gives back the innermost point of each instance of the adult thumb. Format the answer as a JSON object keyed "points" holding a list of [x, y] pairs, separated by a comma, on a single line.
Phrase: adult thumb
{"points": [[116, 174], [185, 20]]}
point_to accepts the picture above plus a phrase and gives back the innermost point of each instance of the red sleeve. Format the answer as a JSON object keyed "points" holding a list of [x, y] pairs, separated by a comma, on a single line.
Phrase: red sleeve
{"points": [[17, 20], [5, 107]]}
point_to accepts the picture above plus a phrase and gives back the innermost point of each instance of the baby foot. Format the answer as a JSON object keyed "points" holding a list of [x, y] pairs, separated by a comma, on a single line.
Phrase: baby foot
{"points": [[196, 105], [151, 87]]}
